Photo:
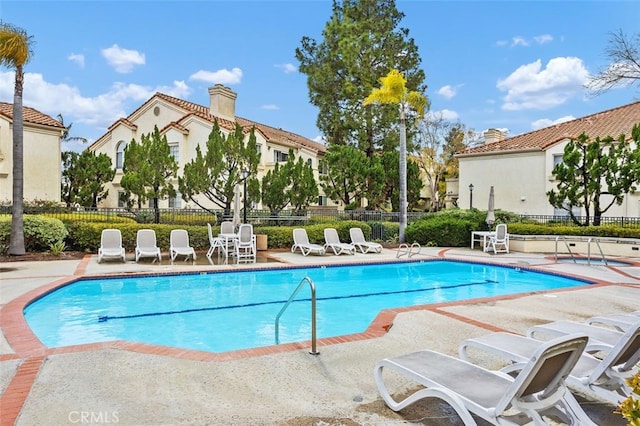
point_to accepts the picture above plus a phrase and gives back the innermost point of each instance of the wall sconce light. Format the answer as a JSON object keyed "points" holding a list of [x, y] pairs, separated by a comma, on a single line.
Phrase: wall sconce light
{"points": [[523, 198]]}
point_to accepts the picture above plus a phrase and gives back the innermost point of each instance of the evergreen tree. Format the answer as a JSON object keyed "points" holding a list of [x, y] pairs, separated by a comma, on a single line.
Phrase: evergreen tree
{"points": [[148, 167], [361, 42], [596, 174], [84, 177], [215, 173]]}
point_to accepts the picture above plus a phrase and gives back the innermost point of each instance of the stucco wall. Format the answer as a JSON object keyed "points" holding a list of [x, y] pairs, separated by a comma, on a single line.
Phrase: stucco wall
{"points": [[521, 182], [42, 172]]}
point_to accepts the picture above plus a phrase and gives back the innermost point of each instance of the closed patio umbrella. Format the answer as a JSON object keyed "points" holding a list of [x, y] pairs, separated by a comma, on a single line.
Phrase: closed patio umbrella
{"points": [[491, 217]]}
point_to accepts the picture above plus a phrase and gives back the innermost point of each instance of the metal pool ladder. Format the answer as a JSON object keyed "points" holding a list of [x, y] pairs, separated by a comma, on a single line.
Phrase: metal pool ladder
{"points": [[313, 313], [405, 249], [589, 240]]}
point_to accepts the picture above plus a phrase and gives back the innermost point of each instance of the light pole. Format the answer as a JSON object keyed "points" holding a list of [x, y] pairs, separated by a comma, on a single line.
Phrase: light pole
{"points": [[470, 196], [245, 175]]}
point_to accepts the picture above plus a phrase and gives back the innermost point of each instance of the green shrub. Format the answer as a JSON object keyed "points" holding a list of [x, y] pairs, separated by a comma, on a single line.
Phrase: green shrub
{"points": [[40, 232], [440, 231], [86, 236], [388, 231]]}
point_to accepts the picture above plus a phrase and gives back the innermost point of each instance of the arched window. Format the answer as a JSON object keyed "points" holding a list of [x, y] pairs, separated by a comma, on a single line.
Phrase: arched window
{"points": [[120, 154]]}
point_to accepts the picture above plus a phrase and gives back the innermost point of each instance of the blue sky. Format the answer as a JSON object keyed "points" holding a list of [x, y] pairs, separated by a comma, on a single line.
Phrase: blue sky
{"points": [[489, 64]]}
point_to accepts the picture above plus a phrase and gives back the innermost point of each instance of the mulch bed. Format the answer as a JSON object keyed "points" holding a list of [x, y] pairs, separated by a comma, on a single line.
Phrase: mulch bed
{"points": [[31, 257]]}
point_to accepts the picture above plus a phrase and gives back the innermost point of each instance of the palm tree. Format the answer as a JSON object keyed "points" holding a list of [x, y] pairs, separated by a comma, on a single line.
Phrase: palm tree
{"points": [[66, 134], [393, 90], [15, 52]]}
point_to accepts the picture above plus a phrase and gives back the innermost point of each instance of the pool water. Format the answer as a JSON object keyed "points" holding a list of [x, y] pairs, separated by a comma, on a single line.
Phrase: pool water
{"points": [[219, 312]]}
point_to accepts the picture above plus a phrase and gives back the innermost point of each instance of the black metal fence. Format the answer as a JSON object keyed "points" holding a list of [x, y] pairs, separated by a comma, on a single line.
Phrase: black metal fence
{"points": [[199, 216], [550, 220]]}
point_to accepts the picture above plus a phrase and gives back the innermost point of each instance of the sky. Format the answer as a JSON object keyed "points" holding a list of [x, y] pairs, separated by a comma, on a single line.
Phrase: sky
{"points": [[511, 65]]}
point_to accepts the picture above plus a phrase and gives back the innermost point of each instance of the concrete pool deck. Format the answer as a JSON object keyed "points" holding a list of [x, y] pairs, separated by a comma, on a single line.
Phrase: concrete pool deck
{"points": [[135, 384]]}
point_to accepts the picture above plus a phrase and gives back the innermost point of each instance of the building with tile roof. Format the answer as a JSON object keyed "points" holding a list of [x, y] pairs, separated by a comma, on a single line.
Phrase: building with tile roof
{"points": [[187, 125], [520, 167], [42, 153]]}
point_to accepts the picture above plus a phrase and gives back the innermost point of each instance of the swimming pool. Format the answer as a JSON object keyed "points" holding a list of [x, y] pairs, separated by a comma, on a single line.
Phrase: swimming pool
{"points": [[225, 311]]}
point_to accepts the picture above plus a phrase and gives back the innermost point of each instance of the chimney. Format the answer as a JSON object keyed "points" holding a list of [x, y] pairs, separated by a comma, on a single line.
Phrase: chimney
{"points": [[493, 135], [223, 102]]}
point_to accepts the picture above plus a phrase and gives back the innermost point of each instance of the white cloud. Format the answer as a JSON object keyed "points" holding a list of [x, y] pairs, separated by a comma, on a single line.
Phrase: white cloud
{"points": [[546, 122], [287, 68], [447, 91], [501, 43], [544, 38], [519, 41], [271, 107], [532, 87], [444, 114], [77, 58], [123, 60], [99, 111], [223, 76]]}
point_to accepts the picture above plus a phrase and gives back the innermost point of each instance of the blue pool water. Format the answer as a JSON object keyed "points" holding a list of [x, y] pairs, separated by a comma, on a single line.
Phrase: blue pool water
{"points": [[220, 312]]}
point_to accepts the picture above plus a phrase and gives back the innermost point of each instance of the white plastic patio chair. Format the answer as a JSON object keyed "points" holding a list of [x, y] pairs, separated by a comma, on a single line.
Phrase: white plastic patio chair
{"points": [[358, 240], [332, 241], [179, 245], [538, 390], [111, 245], [215, 243], [499, 241], [146, 245], [605, 378], [245, 244], [301, 242]]}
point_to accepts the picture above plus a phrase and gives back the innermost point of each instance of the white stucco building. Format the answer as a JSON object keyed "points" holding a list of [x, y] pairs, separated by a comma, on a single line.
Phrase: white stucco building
{"points": [[41, 146], [520, 167], [187, 125]]}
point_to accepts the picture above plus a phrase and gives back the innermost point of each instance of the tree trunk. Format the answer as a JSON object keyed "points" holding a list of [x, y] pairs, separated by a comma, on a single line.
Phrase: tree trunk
{"points": [[16, 241], [403, 175]]}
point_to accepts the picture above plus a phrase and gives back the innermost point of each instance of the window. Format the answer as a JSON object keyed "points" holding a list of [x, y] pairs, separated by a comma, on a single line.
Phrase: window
{"points": [[322, 168], [175, 202], [279, 156], [557, 159], [310, 162], [121, 199], [322, 200], [259, 148], [174, 151], [122, 145]]}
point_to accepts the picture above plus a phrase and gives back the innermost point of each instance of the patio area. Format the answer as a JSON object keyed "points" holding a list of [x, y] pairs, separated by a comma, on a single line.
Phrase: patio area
{"points": [[136, 384]]}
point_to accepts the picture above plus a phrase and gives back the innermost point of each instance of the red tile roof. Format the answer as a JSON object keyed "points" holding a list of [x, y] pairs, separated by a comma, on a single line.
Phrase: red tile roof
{"points": [[613, 122], [270, 133], [30, 115]]}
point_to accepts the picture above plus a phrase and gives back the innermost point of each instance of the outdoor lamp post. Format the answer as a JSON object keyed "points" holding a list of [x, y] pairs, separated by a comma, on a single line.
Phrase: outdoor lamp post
{"points": [[470, 196], [245, 176]]}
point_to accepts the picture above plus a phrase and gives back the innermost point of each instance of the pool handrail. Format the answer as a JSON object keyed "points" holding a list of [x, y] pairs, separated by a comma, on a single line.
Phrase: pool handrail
{"points": [[589, 240], [313, 313]]}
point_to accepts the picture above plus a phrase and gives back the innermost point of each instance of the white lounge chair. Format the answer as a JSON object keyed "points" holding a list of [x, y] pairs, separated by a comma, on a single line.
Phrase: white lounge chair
{"points": [[245, 244], [332, 241], [538, 390], [215, 243], [301, 241], [146, 245], [606, 377], [499, 241], [179, 245], [111, 245], [600, 338], [357, 239], [620, 321]]}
